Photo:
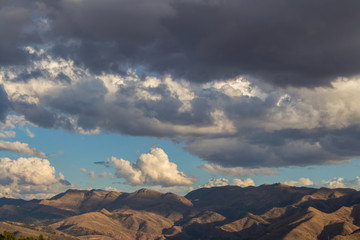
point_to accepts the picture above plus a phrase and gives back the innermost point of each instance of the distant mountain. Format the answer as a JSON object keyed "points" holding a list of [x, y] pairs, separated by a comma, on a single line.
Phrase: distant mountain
{"points": [[265, 212], [234, 202]]}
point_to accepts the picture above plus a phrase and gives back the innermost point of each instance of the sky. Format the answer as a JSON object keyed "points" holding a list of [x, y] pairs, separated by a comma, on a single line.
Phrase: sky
{"points": [[178, 95]]}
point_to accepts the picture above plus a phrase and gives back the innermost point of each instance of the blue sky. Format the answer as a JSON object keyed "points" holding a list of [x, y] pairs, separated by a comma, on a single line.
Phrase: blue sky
{"points": [[152, 95], [69, 152]]}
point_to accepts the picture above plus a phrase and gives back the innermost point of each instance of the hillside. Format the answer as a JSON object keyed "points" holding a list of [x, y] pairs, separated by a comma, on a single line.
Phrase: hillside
{"points": [[265, 212]]}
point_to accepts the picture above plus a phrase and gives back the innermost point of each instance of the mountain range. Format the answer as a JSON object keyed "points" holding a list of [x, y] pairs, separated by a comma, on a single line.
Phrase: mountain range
{"points": [[265, 212]]}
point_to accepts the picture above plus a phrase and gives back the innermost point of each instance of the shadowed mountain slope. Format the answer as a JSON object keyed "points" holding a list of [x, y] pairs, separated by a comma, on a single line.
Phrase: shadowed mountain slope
{"points": [[234, 202]]}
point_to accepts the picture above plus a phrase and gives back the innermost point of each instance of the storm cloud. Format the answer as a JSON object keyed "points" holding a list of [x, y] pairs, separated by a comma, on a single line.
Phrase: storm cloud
{"points": [[300, 43]]}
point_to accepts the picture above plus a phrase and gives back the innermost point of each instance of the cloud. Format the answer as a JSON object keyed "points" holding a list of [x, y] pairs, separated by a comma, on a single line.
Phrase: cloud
{"points": [[7, 134], [300, 182], [112, 189], [22, 148], [170, 44], [34, 171], [263, 150], [4, 102], [29, 133], [29, 178], [13, 121], [243, 183], [20, 16], [104, 163], [153, 168], [339, 182], [218, 182], [236, 87], [92, 175], [237, 171], [266, 107], [336, 182], [257, 126], [105, 174]]}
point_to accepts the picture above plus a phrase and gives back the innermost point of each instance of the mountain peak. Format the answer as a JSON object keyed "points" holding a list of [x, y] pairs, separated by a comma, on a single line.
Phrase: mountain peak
{"points": [[146, 192]]}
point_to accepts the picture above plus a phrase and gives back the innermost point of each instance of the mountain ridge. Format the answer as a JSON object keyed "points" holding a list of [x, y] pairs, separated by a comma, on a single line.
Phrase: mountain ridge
{"points": [[266, 212]]}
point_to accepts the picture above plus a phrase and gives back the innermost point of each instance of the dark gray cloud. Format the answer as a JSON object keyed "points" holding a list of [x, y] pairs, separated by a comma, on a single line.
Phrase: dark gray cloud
{"points": [[37, 114], [287, 147], [15, 19], [4, 103], [26, 76], [302, 43], [104, 163], [64, 182]]}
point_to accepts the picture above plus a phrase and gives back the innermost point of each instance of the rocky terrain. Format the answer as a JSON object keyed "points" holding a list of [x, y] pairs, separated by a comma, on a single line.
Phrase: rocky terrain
{"points": [[270, 212]]}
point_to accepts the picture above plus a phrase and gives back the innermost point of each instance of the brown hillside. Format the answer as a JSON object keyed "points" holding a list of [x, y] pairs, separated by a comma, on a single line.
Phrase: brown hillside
{"points": [[313, 224], [79, 201], [168, 205], [126, 224], [27, 230]]}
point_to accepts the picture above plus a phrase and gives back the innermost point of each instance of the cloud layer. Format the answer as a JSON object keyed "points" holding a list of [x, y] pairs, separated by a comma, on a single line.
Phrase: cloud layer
{"points": [[230, 123], [237, 171], [241, 83], [153, 168]]}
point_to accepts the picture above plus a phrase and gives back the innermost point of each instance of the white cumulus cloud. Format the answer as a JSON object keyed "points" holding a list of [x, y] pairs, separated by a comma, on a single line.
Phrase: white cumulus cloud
{"points": [[112, 189], [218, 182], [300, 182], [29, 178], [153, 168], [243, 183], [339, 182], [27, 171]]}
